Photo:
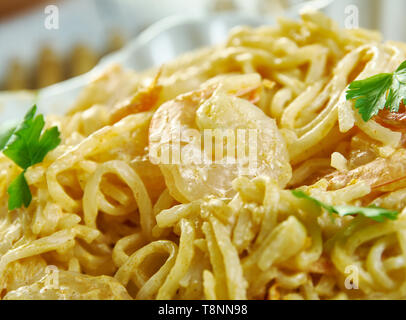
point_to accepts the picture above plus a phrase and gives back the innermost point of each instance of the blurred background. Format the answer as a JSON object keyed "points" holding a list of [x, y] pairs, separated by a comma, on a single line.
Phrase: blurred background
{"points": [[35, 53]]}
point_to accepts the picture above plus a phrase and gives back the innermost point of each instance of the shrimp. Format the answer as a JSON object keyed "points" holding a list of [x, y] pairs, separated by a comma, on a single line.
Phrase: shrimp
{"points": [[379, 173], [143, 100], [216, 108], [395, 121]]}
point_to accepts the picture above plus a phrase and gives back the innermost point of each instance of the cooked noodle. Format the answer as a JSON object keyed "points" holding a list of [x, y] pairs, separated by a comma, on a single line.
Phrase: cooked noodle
{"points": [[116, 225]]}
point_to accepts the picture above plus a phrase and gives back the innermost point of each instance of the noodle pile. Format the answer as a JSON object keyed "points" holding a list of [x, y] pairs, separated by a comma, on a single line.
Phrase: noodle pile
{"points": [[112, 224]]}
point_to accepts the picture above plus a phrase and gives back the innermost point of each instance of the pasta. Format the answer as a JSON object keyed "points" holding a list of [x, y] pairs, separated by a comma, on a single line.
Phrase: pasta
{"points": [[111, 220]]}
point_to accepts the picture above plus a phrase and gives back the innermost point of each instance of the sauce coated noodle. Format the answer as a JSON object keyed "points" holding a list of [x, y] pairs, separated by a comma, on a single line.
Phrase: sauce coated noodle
{"points": [[109, 222]]}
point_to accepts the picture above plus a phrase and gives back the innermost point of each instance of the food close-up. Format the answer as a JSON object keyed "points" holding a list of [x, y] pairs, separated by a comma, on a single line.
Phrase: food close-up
{"points": [[266, 164]]}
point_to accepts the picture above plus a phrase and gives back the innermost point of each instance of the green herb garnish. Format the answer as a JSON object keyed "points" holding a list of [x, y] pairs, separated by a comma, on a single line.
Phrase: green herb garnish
{"points": [[385, 90], [372, 212], [26, 145]]}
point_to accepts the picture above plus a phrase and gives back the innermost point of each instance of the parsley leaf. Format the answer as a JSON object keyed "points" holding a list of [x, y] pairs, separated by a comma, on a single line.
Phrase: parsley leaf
{"points": [[19, 193], [26, 144], [6, 131], [385, 90], [372, 212]]}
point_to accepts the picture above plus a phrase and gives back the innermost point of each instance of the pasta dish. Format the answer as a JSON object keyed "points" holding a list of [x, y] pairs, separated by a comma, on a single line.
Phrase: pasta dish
{"points": [[272, 166]]}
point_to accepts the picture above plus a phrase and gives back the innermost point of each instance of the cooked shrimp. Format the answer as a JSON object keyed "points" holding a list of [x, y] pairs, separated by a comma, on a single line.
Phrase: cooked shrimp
{"points": [[216, 107], [143, 100], [378, 173], [393, 120]]}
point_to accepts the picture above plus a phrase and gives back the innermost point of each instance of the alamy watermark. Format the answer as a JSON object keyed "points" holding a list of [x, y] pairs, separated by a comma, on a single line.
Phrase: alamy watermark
{"points": [[351, 20], [351, 282], [209, 147], [52, 277], [51, 21]]}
